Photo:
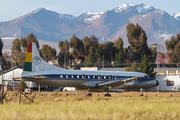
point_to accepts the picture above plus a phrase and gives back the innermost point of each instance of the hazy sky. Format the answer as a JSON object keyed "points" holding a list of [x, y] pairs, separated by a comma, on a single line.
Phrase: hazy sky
{"points": [[11, 9]]}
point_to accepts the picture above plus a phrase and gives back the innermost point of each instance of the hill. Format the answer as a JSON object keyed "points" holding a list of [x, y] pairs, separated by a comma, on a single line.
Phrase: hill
{"points": [[107, 26]]}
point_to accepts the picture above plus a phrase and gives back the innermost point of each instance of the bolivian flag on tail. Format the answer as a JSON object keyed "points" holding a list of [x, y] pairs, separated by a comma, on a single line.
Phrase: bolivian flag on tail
{"points": [[28, 60]]}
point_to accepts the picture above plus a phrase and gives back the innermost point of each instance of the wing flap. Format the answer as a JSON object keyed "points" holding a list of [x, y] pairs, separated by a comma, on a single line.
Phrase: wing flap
{"points": [[117, 82]]}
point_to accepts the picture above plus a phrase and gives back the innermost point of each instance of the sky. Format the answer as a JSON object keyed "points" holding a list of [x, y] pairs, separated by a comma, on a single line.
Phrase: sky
{"points": [[11, 9]]}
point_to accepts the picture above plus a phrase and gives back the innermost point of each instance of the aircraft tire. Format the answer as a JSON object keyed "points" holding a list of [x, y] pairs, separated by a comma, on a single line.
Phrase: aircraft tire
{"points": [[89, 94], [107, 95]]}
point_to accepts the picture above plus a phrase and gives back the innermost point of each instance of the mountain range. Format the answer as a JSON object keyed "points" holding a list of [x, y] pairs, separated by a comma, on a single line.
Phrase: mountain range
{"points": [[106, 26]]}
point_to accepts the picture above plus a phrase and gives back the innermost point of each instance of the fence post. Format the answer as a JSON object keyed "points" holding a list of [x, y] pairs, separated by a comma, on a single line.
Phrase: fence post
{"points": [[19, 97]]}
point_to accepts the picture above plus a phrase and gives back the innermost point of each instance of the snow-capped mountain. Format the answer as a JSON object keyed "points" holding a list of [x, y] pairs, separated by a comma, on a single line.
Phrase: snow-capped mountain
{"points": [[138, 8], [123, 8], [176, 15], [108, 25], [90, 16]]}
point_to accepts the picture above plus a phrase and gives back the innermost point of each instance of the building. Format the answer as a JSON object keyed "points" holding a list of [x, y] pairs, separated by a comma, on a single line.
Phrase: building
{"points": [[53, 62], [8, 76], [7, 57], [89, 68], [15, 73], [169, 79]]}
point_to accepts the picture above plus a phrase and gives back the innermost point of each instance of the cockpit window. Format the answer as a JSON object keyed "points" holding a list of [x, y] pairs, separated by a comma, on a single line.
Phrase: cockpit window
{"points": [[146, 76]]}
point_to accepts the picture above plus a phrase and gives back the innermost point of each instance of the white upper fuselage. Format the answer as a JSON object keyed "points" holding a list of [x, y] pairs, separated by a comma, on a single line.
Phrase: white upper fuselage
{"points": [[82, 72]]}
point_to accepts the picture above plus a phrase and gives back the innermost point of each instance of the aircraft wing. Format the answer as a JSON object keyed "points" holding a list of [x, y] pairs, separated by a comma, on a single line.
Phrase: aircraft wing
{"points": [[117, 82]]}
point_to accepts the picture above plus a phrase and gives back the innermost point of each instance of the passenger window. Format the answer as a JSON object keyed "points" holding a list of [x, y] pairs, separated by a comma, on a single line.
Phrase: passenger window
{"points": [[104, 77], [61, 76], [66, 76], [99, 77], [72, 76], [77, 76], [94, 77], [88, 77], [110, 77], [83, 76]]}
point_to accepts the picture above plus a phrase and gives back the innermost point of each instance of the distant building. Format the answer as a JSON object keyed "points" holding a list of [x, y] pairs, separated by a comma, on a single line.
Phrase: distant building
{"points": [[89, 68], [8, 76], [169, 79], [7, 57], [15, 73], [53, 62], [77, 60]]}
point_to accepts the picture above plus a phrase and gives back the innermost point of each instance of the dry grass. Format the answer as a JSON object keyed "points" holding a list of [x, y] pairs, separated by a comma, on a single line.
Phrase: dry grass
{"points": [[127, 105]]}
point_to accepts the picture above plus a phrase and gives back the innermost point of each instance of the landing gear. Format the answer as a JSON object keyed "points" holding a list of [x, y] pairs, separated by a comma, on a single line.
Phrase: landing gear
{"points": [[142, 92], [88, 94], [107, 94]]}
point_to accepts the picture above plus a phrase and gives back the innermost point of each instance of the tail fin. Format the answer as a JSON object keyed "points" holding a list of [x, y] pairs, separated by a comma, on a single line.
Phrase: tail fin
{"points": [[33, 61]]}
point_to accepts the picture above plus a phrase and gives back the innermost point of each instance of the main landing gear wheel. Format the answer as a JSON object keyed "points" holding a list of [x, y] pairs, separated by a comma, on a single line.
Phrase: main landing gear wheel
{"points": [[88, 94], [107, 95]]}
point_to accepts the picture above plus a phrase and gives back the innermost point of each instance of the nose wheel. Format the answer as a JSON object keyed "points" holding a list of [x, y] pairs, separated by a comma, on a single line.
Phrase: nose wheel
{"points": [[142, 92]]}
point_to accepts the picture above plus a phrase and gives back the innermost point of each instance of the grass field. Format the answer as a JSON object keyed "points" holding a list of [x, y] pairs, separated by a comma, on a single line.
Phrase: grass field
{"points": [[126, 105]]}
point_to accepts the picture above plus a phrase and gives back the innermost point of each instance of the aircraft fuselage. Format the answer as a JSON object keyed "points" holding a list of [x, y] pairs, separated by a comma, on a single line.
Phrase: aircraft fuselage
{"points": [[77, 78]]}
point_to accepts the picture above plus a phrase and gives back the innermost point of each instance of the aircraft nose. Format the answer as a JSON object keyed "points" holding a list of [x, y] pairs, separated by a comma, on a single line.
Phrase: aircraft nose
{"points": [[157, 83]]}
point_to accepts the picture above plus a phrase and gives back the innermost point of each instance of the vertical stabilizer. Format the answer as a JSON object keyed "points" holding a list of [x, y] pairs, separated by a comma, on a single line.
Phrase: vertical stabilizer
{"points": [[28, 60], [34, 62]]}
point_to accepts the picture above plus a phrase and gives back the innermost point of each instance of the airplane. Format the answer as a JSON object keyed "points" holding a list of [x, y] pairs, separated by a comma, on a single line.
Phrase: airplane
{"points": [[41, 72]]}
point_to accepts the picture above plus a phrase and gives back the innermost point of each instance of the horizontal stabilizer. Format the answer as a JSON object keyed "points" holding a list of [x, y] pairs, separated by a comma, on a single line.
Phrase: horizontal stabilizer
{"points": [[117, 82]]}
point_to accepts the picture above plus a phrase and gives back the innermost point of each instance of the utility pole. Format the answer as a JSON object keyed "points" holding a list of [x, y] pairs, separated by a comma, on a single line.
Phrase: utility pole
{"points": [[2, 84], [39, 89], [157, 68], [69, 64], [12, 72], [157, 64], [103, 62], [64, 59]]}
